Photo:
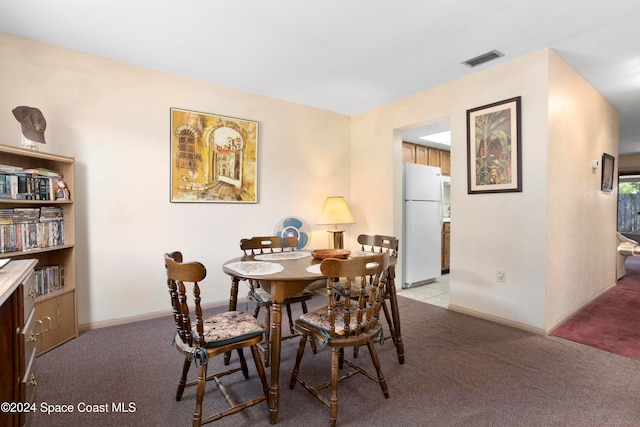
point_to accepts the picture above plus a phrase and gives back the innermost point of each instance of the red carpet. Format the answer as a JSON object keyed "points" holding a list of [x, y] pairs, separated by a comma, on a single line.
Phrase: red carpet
{"points": [[612, 322]]}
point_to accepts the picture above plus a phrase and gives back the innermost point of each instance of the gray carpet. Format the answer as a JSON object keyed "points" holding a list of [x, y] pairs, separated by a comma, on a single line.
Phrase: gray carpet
{"points": [[459, 371]]}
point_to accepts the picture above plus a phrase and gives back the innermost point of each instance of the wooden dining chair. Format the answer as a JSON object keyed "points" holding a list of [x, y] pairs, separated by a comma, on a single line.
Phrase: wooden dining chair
{"points": [[350, 322], [378, 244], [200, 340], [262, 298]]}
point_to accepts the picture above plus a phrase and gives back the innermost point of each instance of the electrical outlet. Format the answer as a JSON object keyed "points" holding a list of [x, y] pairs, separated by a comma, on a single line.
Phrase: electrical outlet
{"points": [[501, 276]]}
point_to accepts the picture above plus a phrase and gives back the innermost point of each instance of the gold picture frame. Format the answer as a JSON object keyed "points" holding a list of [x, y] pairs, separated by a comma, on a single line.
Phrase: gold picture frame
{"points": [[214, 159], [494, 148]]}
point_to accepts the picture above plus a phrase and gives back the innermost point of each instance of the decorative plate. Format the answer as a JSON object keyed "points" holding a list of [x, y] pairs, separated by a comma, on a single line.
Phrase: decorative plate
{"points": [[293, 226], [330, 253]]}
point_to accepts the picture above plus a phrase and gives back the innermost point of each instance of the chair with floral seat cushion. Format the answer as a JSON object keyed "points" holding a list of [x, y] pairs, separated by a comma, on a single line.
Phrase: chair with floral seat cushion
{"points": [[350, 322], [260, 297], [199, 340], [378, 244]]}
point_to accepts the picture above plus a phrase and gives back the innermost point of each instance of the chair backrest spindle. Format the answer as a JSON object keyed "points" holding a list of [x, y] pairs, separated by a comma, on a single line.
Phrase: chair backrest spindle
{"points": [[177, 274], [268, 244], [365, 309]]}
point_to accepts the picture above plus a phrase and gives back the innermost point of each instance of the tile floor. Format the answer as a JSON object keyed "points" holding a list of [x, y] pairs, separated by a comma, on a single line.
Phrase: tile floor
{"points": [[436, 293]]}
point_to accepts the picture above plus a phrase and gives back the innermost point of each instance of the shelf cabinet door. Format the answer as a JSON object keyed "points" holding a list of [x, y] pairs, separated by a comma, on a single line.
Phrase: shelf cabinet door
{"points": [[57, 315]]}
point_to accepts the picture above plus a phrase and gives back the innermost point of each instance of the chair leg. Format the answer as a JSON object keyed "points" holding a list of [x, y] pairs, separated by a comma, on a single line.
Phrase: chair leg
{"points": [[336, 358], [296, 367], [288, 306], [202, 379], [389, 318], [260, 368], [376, 363], [183, 379], [243, 363]]}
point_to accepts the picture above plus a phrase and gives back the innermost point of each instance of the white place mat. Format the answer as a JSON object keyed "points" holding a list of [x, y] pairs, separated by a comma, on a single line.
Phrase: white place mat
{"points": [[315, 269], [255, 268], [282, 255], [361, 253]]}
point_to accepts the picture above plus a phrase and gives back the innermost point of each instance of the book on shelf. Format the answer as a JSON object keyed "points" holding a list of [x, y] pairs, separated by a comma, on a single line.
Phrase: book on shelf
{"points": [[22, 229], [28, 184], [49, 278]]}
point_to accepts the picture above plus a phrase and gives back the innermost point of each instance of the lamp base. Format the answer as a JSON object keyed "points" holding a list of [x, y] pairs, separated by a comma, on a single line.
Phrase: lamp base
{"points": [[336, 239]]}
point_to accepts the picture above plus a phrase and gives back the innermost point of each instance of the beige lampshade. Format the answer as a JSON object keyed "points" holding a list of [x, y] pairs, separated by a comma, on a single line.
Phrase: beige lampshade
{"points": [[335, 211]]}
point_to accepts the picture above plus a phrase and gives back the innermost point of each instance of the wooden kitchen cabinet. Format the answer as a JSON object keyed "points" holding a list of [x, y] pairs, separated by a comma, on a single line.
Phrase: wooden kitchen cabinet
{"points": [[445, 163], [423, 155], [408, 152], [446, 239]]}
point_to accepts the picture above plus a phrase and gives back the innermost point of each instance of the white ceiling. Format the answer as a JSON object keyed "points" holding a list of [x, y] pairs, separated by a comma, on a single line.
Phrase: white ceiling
{"points": [[346, 56]]}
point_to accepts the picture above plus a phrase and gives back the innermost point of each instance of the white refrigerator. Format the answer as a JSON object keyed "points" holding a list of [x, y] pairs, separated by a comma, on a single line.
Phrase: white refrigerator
{"points": [[422, 224]]}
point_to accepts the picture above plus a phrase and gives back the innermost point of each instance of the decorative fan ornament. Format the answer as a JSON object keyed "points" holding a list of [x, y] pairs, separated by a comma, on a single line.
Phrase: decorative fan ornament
{"points": [[294, 227]]}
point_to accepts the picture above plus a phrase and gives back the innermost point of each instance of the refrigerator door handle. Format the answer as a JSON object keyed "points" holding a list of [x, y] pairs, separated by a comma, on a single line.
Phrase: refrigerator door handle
{"points": [[441, 201]]}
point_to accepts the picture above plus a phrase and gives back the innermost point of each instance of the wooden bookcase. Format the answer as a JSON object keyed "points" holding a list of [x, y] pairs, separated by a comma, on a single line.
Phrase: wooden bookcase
{"points": [[55, 312]]}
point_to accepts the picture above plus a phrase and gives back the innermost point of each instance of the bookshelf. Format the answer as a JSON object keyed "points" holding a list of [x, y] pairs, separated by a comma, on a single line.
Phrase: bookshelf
{"points": [[55, 300]]}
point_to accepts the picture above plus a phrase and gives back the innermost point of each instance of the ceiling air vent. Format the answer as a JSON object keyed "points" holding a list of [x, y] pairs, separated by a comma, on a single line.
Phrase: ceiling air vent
{"points": [[481, 59]]}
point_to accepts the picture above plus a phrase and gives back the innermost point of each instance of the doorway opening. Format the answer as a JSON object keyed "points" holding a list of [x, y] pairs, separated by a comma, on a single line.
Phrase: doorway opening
{"points": [[629, 206], [429, 145]]}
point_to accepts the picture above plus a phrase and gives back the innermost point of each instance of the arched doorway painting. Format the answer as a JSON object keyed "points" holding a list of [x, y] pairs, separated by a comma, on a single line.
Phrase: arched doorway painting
{"points": [[213, 158], [228, 149]]}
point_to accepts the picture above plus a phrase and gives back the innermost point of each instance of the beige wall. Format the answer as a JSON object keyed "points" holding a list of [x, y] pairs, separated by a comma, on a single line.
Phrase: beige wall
{"points": [[582, 219], [507, 231], [114, 119]]}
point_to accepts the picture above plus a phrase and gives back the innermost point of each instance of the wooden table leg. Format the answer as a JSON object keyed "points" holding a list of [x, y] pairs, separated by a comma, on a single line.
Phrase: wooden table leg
{"points": [[233, 304], [395, 314], [276, 334]]}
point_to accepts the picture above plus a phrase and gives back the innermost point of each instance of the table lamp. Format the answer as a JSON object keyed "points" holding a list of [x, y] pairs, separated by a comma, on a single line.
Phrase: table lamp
{"points": [[335, 211]]}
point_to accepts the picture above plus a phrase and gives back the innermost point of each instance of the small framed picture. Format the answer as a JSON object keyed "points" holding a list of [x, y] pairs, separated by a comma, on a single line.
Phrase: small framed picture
{"points": [[607, 172]]}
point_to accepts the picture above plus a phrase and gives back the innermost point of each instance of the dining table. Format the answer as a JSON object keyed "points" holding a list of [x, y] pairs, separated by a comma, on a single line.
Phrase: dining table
{"points": [[287, 273]]}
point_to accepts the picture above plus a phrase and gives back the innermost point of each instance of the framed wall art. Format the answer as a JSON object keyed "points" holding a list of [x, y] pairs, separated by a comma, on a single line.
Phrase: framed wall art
{"points": [[213, 158], [494, 148], [606, 182]]}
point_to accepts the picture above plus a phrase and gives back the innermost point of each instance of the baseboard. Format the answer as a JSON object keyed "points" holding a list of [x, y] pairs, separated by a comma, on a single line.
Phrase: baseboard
{"points": [[497, 319], [146, 316], [569, 316]]}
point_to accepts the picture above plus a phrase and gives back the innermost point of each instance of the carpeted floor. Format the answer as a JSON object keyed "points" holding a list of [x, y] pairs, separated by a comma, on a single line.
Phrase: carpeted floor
{"points": [[612, 322], [459, 371]]}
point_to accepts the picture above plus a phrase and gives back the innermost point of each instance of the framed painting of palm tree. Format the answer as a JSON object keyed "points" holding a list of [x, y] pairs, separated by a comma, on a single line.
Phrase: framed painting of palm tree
{"points": [[494, 155]]}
